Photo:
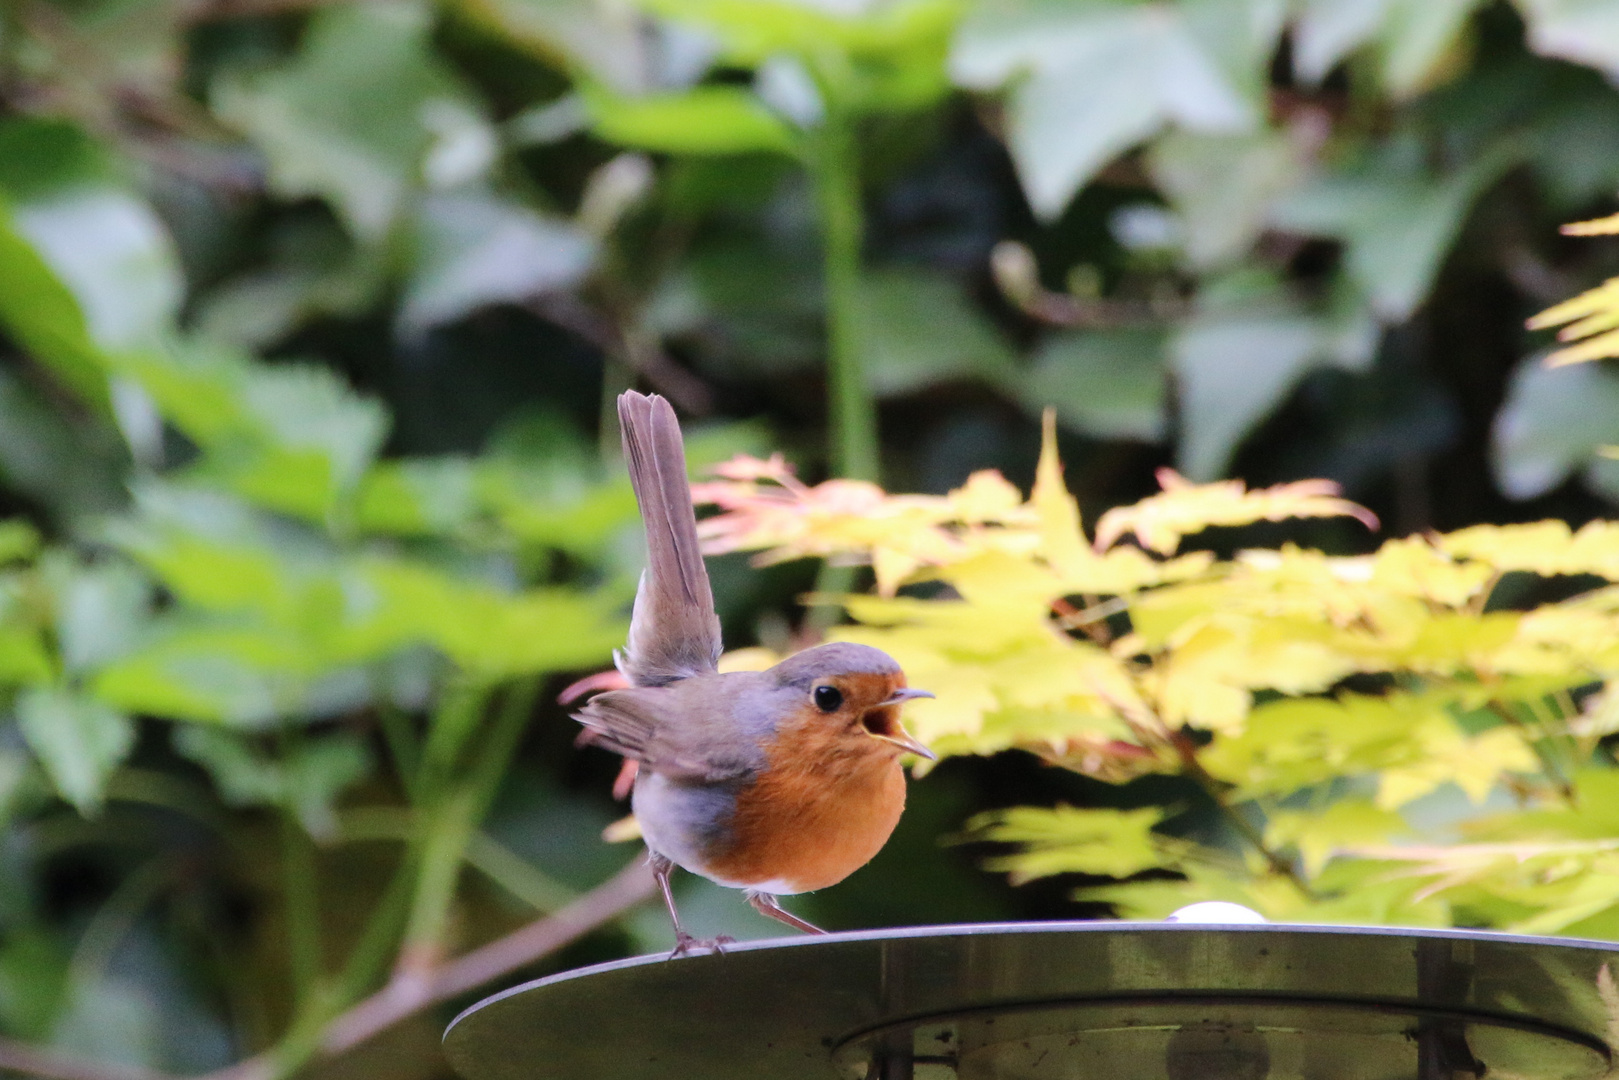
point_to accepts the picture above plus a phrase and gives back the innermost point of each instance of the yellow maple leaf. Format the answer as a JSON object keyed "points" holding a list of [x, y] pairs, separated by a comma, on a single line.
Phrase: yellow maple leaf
{"points": [[1548, 548], [1592, 317], [1160, 521]]}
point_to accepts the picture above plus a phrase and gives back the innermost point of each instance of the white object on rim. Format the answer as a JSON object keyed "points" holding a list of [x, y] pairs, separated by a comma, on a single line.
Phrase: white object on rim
{"points": [[1216, 911]]}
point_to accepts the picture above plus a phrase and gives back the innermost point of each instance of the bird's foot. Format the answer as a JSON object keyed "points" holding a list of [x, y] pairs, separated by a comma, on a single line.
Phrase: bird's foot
{"points": [[685, 944]]}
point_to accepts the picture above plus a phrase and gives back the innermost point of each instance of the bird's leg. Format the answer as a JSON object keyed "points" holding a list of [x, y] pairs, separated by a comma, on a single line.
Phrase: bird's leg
{"points": [[684, 942], [765, 904]]}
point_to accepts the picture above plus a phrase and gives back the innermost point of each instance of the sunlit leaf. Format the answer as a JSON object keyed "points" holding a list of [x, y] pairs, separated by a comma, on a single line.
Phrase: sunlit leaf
{"points": [[1066, 840], [1160, 521], [702, 120]]}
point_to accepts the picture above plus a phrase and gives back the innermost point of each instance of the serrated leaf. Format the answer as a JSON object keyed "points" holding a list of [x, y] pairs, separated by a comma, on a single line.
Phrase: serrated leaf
{"points": [[1159, 521], [292, 437], [1068, 840], [1319, 834]]}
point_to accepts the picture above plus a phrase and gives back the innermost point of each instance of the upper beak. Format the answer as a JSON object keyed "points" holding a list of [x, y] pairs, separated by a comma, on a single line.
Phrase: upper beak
{"points": [[903, 739]]}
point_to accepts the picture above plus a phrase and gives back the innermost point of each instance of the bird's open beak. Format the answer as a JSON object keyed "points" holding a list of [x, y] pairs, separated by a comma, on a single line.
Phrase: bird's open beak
{"points": [[909, 744], [901, 738]]}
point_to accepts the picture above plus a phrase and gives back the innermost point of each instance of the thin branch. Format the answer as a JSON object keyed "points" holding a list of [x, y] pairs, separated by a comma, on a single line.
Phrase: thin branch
{"points": [[54, 1065], [402, 997], [1211, 786]]}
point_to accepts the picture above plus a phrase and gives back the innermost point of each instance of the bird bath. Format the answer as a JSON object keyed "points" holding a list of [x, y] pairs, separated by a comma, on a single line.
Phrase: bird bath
{"points": [[1067, 1001]]}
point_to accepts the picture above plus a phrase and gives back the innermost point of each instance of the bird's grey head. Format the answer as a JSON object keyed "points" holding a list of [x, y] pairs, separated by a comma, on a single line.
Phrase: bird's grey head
{"points": [[839, 658]]}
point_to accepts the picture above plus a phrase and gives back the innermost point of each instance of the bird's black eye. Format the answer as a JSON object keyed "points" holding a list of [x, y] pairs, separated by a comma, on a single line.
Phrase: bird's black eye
{"points": [[827, 698]]}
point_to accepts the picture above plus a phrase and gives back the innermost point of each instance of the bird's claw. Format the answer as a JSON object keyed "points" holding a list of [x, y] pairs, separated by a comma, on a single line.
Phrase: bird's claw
{"points": [[685, 944]]}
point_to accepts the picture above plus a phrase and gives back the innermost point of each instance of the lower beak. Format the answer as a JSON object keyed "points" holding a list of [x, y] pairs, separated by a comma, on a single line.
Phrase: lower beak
{"points": [[909, 744]]}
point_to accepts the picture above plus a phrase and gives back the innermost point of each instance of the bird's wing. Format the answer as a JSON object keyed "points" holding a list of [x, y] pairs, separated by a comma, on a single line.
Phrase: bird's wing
{"points": [[674, 633], [633, 723]]}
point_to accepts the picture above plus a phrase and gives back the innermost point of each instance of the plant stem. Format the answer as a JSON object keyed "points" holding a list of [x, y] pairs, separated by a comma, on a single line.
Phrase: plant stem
{"points": [[402, 745], [303, 908], [835, 165], [449, 826], [1211, 787]]}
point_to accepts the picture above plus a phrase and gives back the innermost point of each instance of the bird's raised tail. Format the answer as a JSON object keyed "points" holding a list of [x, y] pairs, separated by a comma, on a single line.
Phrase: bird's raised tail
{"points": [[674, 633]]}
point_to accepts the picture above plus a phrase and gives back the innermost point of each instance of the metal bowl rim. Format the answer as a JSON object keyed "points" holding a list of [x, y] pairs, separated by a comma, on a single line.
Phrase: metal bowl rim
{"points": [[1071, 926]]}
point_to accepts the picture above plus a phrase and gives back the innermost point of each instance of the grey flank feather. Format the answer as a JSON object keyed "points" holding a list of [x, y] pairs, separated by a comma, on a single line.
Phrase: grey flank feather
{"points": [[674, 633]]}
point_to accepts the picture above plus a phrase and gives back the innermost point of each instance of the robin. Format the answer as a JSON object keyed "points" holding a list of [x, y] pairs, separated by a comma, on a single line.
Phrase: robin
{"points": [[773, 782]]}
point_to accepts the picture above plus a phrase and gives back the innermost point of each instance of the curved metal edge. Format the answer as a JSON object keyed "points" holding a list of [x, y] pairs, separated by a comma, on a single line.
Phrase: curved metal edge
{"points": [[1242, 999], [1088, 926]]}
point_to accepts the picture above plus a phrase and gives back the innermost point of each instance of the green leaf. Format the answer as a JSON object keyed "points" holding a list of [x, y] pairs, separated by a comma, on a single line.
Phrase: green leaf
{"points": [[1109, 384], [1326, 31], [1397, 221], [306, 780], [74, 469], [1096, 78], [1552, 424], [99, 240], [425, 497], [19, 541], [917, 329], [1418, 37], [751, 31], [291, 437], [313, 270], [24, 658], [1223, 186], [1583, 31], [1235, 362], [608, 43], [43, 316], [702, 120], [1415, 37], [363, 116], [100, 611], [473, 248], [79, 740]]}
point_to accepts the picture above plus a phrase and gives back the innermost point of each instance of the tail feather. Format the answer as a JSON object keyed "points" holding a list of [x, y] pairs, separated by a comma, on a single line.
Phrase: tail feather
{"points": [[674, 632]]}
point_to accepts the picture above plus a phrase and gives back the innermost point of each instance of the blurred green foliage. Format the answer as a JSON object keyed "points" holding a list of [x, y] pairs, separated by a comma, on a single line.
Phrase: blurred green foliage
{"points": [[312, 312]]}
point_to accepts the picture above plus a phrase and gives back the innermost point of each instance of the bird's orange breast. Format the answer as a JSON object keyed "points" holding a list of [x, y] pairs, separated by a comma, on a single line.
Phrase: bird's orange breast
{"points": [[824, 805]]}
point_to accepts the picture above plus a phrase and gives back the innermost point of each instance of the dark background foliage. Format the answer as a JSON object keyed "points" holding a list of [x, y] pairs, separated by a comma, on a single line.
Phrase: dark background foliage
{"points": [[313, 313]]}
